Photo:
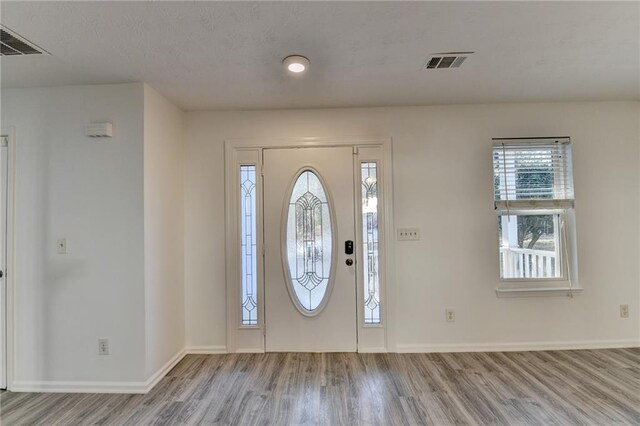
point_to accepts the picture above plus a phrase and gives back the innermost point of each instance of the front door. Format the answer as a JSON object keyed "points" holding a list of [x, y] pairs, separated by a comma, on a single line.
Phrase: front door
{"points": [[310, 279]]}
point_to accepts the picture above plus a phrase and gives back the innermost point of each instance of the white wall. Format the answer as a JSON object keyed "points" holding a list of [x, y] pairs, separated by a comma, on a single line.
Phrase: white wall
{"points": [[443, 185], [119, 203], [163, 230], [91, 192]]}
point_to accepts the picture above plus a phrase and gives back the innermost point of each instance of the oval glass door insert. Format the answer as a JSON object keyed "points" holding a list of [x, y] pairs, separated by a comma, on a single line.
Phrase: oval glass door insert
{"points": [[308, 243]]}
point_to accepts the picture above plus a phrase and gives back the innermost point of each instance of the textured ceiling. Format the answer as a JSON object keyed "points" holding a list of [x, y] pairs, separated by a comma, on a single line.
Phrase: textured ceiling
{"points": [[206, 55]]}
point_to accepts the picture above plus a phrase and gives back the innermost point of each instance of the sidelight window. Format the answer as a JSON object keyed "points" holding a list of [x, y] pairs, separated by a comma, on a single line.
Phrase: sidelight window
{"points": [[248, 239], [370, 242]]}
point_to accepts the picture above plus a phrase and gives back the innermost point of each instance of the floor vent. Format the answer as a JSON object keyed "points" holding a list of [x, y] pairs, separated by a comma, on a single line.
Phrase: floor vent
{"points": [[446, 60], [13, 44]]}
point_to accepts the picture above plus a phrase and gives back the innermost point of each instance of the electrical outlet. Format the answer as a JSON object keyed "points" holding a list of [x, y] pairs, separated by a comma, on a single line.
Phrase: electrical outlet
{"points": [[408, 234], [450, 315], [103, 346], [62, 245], [624, 311]]}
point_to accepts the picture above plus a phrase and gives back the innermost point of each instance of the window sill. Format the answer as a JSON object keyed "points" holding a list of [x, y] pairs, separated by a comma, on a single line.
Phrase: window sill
{"points": [[537, 291]]}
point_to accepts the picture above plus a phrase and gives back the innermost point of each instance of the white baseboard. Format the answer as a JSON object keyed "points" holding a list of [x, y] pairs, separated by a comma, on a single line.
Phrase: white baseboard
{"points": [[98, 387], [519, 347], [158, 375], [206, 349], [249, 351], [146, 386], [78, 387], [373, 350]]}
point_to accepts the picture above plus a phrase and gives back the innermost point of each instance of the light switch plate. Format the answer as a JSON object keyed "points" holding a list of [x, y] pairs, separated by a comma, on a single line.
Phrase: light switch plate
{"points": [[624, 311], [408, 234]]}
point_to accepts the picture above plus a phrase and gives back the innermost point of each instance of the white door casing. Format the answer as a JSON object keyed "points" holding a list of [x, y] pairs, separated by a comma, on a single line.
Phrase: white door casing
{"points": [[240, 152], [331, 326], [4, 163], [6, 257]]}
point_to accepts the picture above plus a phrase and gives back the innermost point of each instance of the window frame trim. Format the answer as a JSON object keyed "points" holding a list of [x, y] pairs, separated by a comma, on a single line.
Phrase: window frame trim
{"points": [[379, 332], [233, 268], [568, 284]]}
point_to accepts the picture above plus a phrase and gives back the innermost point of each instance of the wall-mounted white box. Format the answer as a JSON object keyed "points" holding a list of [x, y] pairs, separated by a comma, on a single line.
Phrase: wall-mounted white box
{"points": [[99, 130]]}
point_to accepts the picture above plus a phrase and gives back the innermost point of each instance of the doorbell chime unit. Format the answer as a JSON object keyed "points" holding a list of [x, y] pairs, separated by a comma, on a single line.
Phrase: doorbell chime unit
{"points": [[99, 130]]}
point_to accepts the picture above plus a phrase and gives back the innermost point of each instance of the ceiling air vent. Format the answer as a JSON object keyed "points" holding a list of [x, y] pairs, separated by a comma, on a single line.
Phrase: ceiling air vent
{"points": [[14, 44], [446, 60]]}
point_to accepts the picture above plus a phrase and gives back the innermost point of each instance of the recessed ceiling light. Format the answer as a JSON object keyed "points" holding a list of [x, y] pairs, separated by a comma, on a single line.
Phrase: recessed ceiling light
{"points": [[296, 63]]}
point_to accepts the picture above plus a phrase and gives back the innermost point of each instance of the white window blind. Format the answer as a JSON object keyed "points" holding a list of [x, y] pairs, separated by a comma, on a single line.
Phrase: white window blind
{"points": [[533, 173]]}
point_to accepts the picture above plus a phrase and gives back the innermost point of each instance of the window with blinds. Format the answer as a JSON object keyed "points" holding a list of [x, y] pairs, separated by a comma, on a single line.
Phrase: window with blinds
{"points": [[530, 173], [533, 191]]}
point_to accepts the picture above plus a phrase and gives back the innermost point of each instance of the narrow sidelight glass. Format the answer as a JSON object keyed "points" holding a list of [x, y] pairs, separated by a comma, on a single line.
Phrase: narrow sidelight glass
{"points": [[248, 237], [371, 272]]}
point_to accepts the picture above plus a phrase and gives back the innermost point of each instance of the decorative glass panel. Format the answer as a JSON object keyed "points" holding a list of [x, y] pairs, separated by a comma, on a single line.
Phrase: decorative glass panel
{"points": [[370, 243], [309, 241], [248, 245]]}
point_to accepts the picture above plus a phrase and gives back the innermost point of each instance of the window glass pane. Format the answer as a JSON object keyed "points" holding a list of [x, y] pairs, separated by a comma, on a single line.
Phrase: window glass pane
{"points": [[248, 245], [309, 241], [529, 246], [370, 242], [529, 174]]}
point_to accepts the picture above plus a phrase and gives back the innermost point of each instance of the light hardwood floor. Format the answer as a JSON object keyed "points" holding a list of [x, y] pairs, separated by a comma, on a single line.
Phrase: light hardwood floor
{"points": [[594, 387]]}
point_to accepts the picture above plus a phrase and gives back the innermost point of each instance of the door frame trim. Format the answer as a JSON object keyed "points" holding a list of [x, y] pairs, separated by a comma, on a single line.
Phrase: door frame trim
{"points": [[10, 258], [251, 338]]}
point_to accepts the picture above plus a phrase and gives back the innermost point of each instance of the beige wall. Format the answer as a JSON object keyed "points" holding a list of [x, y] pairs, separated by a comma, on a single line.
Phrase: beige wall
{"points": [[163, 230], [443, 185]]}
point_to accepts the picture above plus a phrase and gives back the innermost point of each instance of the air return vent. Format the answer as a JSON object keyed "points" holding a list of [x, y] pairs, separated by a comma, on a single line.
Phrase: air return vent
{"points": [[446, 60], [13, 44]]}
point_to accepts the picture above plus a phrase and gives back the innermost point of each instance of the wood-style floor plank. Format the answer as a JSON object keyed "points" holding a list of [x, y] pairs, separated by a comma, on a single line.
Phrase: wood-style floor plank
{"points": [[589, 387]]}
